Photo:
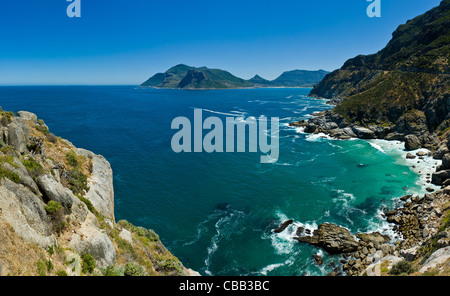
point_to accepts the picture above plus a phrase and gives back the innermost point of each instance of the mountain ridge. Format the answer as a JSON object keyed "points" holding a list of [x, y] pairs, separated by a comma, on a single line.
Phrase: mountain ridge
{"points": [[186, 77]]}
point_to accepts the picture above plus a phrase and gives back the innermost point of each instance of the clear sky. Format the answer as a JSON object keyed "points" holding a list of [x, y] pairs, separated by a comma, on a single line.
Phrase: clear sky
{"points": [[126, 42]]}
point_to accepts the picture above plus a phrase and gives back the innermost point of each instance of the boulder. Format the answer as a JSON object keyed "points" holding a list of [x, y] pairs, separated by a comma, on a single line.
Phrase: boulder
{"points": [[440, 177], [53, 190], [445, 162], [410, 156], [27, 116], [395, 137], [18, 133], [318, 259], [363, 133], [126, 236], [409, 254], [332, 238], [412, 142]]}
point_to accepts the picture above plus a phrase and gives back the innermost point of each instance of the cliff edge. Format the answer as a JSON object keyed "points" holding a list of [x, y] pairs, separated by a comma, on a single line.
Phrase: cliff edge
{"points": [[57, 210]]}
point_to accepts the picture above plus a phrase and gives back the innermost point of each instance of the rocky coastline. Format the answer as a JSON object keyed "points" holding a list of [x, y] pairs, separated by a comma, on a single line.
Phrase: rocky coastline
{"points": [[57, 211], [420, 222]]}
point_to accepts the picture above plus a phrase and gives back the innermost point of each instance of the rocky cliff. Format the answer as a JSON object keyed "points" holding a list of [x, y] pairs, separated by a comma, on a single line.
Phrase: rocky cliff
{"points": [[57, 210], [404, 87], [400, 93]]}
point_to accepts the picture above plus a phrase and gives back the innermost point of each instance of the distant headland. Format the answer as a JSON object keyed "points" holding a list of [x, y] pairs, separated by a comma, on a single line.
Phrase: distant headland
{"points": [[187, 77]]}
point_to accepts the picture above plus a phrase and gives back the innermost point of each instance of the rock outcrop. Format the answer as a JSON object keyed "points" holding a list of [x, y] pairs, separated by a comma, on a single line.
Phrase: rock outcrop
{"points": [[57, 202], [332, 238]]}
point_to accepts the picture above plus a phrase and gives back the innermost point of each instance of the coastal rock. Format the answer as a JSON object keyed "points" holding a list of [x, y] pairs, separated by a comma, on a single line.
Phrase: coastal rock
{"points": [[445, 162], [101, 189], [410, 156], [363, 133], [27, 116], [53, 190], [318, 259], [395, 137], [440, 177], [18, 133], [412, 142], [283, 226], [332, 238], [374, 238]]}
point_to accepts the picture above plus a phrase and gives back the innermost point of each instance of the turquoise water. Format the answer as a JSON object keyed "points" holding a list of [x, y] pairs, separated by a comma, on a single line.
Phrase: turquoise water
{"points": [[215, 212]]}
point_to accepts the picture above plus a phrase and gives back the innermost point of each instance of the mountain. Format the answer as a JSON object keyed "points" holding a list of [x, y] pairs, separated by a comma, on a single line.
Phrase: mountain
{"points": [[298, 78], [405, 83], [258, 80], [186, 77], [294, 78]]}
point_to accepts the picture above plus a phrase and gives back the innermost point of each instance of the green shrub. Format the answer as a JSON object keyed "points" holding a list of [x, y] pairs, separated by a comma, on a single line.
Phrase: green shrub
{"points": [[52, 138], [78, 182], [402, 268], [132, 269], [72, 159], [112, 271], [33, 167], [88, 263], [61, 273], [6, 173], [52, 207], [43, 129]]}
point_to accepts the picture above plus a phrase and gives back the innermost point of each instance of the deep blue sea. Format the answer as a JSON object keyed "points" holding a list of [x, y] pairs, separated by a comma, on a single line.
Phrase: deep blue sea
{"points": [[216, 212]]}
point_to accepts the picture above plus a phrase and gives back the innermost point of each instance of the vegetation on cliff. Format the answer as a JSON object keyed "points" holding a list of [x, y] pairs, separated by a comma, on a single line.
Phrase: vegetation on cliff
{"points": [[410, 73], [52, 223]]}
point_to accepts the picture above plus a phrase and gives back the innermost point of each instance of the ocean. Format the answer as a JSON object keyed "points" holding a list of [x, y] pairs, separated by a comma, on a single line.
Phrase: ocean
{"points": [[216, 211]]}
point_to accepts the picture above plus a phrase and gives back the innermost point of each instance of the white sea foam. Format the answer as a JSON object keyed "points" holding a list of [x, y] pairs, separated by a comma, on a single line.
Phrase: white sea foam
{"points": [[422, 167]]}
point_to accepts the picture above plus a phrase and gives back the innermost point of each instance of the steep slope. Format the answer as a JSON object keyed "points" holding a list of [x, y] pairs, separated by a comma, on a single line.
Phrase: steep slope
{"points": [[402, 91], [57, 210], [410, 75], [297, 78]]}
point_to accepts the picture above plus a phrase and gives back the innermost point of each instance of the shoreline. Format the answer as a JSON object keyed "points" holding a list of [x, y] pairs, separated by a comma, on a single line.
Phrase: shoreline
{"points": [[412, 226]]}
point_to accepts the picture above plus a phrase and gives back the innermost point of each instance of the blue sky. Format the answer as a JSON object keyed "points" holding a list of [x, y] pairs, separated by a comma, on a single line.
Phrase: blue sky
{"points": [[125, 42]]}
